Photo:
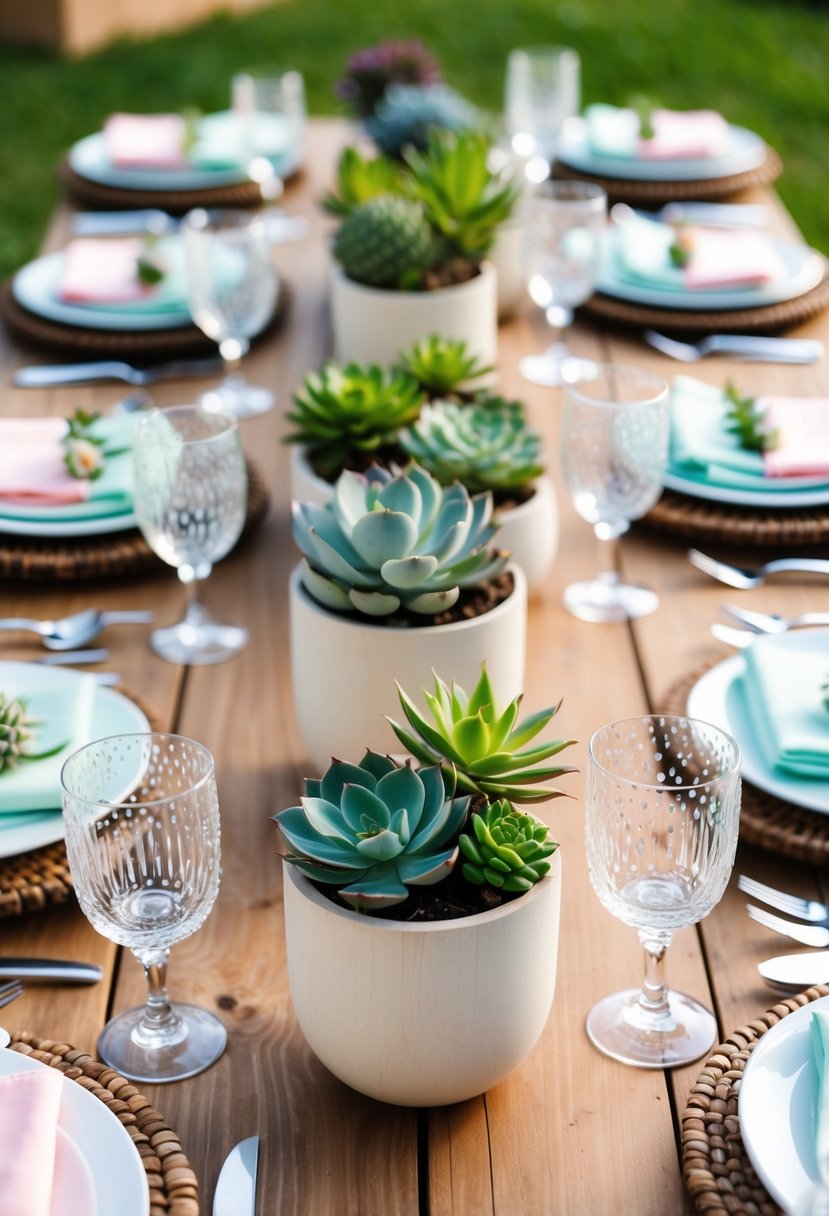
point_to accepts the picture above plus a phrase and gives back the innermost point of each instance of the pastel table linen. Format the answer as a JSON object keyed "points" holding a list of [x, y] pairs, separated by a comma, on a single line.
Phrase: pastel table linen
{"points": [[717, 258], [784, 697], [677, 134]]}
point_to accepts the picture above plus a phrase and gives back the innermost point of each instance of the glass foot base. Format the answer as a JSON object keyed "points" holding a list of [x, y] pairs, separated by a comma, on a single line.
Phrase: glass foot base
{"points": [[555, 367], [620, 1028], [235, 396], [202, 1044], [199, 645], [601, 601]]}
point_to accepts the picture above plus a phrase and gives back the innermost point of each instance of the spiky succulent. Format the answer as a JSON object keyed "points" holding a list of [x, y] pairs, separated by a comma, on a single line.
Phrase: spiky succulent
{"points": [[507, 848], [395, 540], [361, 178], [408, 114], [18, 733], [374, 829], [442, 365], [386, 242], [487, 446], [485, 746], [346, 414]]}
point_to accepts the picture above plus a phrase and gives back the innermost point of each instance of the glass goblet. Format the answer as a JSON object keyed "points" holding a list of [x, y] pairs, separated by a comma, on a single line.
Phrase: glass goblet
{"points": [[662, 815], [141, 815], [232, 290], [542, 91], [190, 495], [564, 225], [269, 105], [614, 449]]}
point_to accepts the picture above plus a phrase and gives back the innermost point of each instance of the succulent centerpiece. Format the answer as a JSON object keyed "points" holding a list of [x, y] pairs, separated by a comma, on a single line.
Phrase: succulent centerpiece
{"points": [[443, 368]]}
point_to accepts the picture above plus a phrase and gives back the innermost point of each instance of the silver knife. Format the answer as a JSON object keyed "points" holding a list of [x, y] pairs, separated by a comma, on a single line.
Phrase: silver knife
{"points": [[49, 969], [60, 658], [282, 229], [45, 376], [235, 1193]]}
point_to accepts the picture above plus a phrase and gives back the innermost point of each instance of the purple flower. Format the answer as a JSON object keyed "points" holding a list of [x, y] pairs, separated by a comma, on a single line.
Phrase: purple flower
{"points": [[369, 72]]}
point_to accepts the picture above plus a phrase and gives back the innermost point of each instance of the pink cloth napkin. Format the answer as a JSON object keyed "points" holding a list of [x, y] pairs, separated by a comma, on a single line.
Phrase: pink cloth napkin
{"points": [[145, 141], [104, 271], [729, 258], [802, 424], [31, 465], [29, 1108], [685, 135]]}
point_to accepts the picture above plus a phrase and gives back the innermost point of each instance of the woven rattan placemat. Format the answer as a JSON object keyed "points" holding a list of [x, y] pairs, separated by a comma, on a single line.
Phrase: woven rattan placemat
{"points": [[95, 194], [717, 1172], [119, 553], [699, 519], [174, 1188], [654, 194], [766, 821]]}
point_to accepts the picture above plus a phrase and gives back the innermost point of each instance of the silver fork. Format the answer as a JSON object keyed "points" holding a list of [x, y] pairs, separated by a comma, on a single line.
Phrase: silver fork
{"points": [[809, 935], [794, 905], [771, 622], [10, 992], [747, 346], [744, 580]]}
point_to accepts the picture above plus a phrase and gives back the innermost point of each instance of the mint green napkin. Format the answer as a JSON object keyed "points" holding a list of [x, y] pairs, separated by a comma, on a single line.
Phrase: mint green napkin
{"points": [[612, 131], [643, 256], [782, 688], [819, 1029], [168, 296], [222, 143], [63, 703]]}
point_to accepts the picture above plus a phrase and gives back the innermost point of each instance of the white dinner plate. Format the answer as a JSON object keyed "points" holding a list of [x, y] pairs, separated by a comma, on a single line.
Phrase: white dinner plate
{"points": [[804, 269], [112, 714], [810, 496], [120, 1180], [777, 1108], [745, 151], [718, 697], [65, 529]]}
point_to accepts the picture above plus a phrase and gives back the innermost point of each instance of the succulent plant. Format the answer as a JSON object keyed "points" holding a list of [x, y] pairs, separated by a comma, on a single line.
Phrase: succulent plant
{"points": [[374, 829], [18, 733], [487, 445], [346, 414], [442, 365], [395, 540], [407, 115], [507, 848], [386, 242], [479, 744], [361, 178], [370, 72]]}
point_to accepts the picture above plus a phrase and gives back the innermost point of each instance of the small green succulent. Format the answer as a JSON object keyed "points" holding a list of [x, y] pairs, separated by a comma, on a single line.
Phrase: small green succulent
{"points": [[395, 540], [407, 115], [361, 178], [374, 829], [507, 848], [442, 365], [386, 242], [486, 446], [345, 415], [18, 734], [480, 745]]}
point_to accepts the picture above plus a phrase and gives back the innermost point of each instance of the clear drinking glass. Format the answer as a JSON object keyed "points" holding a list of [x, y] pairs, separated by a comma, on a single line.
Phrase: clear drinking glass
{"points": [[232, 289], [662, 815], [269, 105], [190, 495], [614, 449], [141, 815], [542, 92], [564, 224]]}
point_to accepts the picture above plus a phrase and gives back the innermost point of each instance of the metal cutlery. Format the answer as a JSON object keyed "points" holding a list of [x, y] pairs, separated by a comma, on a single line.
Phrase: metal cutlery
{"points": [[10, 992], [733, 636], [722, 215], [282, 228], [44, 376], [68, 658], [746, 346], [794, 905], [235, 1193], [771, 622], [809, 935], [71, 632], [794, 972], [57, 970], [744, 580]]}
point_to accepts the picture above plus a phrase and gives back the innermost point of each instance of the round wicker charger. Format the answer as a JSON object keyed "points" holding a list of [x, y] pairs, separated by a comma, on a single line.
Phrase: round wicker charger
{"points": [[715, 1166], [119, 553], [765, 821], [654, 194], [700, 519], [174, 1188], [95, 194]]}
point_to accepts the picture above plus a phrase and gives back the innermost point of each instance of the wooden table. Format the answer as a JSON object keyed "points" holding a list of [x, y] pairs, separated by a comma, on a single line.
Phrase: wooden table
{"points": [[570, 1131]]}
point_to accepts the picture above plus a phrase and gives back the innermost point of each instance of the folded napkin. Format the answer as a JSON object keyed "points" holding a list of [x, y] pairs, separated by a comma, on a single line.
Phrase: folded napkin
{"points": [[802, 426], [145, 141], [678, 134], [35, 483], [29, 1110], [103, 272], [222, 141], [782, 688], [819, 1028], [719, 258]]}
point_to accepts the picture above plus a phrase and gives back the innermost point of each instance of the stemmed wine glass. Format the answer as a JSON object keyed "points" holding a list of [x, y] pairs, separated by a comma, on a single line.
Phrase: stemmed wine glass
{"points": [[564, 225], [141, 815], [190, 496], [662, 816], [232, 290], [614, 450], [542, 91]]}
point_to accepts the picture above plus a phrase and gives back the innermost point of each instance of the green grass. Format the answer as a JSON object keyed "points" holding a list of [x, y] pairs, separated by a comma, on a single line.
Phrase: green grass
{"points": [[761, 62]]}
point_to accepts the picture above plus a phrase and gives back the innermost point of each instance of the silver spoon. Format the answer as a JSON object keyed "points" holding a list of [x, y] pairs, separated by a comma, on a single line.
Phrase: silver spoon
{"points": [[72, 632], [794, 972]]}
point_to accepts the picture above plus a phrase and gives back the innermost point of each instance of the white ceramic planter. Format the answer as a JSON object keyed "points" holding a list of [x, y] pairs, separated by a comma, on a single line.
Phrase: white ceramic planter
{"points": [[530, 532], [373, 325], [305, 485], [422, 1014], [507, 257], [344, 669]]}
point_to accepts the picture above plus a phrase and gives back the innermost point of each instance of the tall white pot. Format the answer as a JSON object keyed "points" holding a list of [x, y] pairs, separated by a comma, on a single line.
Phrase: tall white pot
{"points": [[507, 256], [422, 1014], [344, 668], [373, 324]]}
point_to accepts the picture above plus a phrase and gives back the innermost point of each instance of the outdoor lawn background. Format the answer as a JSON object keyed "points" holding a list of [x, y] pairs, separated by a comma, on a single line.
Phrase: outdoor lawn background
{"points": [[762, 63]]}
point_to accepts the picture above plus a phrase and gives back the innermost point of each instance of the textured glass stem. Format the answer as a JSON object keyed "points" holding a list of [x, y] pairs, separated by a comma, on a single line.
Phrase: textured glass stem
{"points": [[159, 1027], [653, 999], [609, 573]]}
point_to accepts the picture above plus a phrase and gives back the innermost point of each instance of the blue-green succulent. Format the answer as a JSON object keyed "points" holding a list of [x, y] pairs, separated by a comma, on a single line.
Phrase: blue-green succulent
{"points": [[507, 848], [409, 113]]}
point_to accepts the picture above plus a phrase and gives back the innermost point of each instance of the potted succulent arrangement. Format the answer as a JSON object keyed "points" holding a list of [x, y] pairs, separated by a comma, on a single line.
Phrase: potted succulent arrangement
{"points": [[422, 905], [399, 575], [412, 246]]}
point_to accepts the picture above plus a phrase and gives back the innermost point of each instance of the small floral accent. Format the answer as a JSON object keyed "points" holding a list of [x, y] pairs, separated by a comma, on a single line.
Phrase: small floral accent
{"points": [[748, 422], [369, 72], [84, 456], [149, 267]]}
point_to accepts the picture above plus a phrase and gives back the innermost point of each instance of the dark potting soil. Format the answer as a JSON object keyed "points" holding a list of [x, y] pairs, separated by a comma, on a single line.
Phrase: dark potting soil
{"points": [[452, 899]]}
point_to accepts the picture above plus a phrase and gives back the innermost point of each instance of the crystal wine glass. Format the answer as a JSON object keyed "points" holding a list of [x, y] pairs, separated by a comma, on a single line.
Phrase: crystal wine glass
{"points": [[269, 105], [614, 449], [542, 92], [232, 290], [563, 233], [190, 495], [662, 815], [141, 815]]}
